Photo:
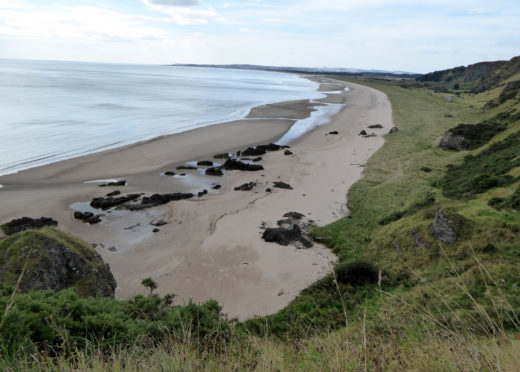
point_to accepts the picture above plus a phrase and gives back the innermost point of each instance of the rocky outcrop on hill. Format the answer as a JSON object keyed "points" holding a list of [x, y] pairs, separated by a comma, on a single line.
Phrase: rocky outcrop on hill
{"points": [[53, 260], [452, 141], [444, 227]]}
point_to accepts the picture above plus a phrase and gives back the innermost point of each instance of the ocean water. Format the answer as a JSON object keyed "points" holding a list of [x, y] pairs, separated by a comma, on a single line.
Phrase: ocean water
{"points": [[50, 111]]}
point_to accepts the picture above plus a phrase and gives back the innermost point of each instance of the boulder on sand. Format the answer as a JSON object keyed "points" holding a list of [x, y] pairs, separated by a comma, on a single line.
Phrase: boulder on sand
{"points": [[232, 164]]}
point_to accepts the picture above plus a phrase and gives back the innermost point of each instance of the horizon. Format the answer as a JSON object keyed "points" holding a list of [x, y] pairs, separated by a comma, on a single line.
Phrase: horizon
{"points": [[367, 35]]}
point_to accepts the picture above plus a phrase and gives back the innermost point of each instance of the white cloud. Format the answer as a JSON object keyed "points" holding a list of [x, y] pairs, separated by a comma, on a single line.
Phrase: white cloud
{"points": [[174, 2], [75, 23], [182, 11]]}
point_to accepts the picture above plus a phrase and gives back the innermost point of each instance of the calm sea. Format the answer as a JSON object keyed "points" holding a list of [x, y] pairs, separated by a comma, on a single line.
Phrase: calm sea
{"points": [[50, 111]]}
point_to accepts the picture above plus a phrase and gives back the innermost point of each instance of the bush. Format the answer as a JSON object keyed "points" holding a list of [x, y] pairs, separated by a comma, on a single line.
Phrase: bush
{"points": [[426, 169], [356, 273]]}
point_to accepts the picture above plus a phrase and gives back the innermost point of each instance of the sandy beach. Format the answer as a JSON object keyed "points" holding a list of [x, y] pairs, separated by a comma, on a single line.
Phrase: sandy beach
{"points": [[211, 246]]}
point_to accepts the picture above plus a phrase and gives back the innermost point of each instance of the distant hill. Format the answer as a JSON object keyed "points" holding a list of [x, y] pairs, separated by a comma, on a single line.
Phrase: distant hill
{"points": [[477, 77], [313, 70]]}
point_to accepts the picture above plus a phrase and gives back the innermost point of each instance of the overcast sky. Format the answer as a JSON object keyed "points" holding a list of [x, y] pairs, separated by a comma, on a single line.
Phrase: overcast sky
{"points": [[409, 35]]}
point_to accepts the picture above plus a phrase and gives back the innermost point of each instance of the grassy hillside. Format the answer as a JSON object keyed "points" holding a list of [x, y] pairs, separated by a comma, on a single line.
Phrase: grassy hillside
{"points": [[399, 300]]}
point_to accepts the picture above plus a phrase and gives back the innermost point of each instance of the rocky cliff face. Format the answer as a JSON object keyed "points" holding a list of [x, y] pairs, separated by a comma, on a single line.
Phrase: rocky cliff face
{"points": [[53, 260], [452, 141]]}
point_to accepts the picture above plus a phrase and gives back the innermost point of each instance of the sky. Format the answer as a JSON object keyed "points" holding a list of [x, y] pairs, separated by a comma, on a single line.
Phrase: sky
{"points": [[405, 35]]}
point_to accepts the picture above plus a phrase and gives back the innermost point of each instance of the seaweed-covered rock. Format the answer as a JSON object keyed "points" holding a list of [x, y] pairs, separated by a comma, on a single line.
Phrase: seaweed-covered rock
{"points": [[232, 164], [54, 260], [294, 215], [205, 163], [106, 203], [114, 193], [245, 187], [284, 236], [251, 151], [333, 132], [375, 126], [169, 173], [160, 199], [287, 152], [363, 133], [87, 217], [27, 223], [213, 171], [116, 183], [202, 193], [282, 185]]}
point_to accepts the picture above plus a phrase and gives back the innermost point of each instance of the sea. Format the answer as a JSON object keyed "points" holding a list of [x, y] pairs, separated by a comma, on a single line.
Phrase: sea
{"points": [[53, 110]]}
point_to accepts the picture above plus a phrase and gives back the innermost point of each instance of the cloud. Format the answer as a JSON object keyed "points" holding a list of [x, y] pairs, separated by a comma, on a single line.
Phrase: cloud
{"points": [[79, 23], [182, 12], [174, 2]]}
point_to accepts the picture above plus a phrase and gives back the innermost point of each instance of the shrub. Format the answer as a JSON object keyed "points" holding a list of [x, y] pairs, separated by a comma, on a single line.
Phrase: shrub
{"points": [[426, 169], [356, 273]]}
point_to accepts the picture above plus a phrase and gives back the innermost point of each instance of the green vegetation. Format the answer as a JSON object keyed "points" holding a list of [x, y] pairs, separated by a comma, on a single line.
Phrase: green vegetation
{"points": [[488, 169], [397, 300]]}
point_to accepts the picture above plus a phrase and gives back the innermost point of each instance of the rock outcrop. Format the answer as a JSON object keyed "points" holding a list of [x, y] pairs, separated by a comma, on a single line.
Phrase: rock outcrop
{"points": [[27, 223], [232, 164], [452, 141], [54, 261], [444, 227], [109, 202]]}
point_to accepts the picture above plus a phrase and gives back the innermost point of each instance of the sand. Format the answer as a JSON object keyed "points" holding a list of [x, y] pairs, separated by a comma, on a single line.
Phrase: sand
{"points": [[212, 246]]}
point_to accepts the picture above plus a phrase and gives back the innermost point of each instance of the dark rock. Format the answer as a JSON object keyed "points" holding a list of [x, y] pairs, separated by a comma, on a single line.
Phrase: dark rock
{"points": [[160, 199], [159, 223], [282, 185], [238, 165], [105, 203], [112, 248], [224, 155], [87, 217], [393, 130], [287, 152], [216, 187], [182, 174], [156, 230], [82, 215], [285, 237], [375, 126], [251, 151], [27, 223], [294, 215], [117, 183], [205, 163], [257, 159], [452, 141], [186, 167], [245, 187], [114, 193], [333, 132], [370, 135], [93, 219], [363, 133], [269, 147], [443, 227], [169, 173], [268, 190], [238, 153], [214, 172], [202, 193]]}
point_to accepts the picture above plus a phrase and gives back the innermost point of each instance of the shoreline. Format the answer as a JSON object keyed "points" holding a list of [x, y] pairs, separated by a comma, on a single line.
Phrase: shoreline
{"points": [[211, 246], [254, 111]]}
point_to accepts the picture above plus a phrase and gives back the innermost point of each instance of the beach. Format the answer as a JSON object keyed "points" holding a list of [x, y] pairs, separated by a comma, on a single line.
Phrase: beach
{"points": [[211, 246]]}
